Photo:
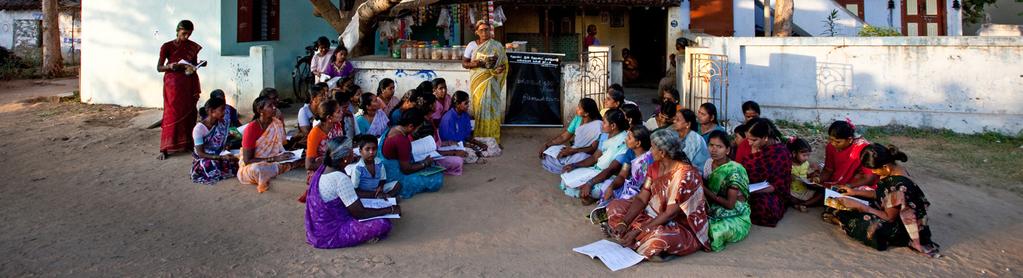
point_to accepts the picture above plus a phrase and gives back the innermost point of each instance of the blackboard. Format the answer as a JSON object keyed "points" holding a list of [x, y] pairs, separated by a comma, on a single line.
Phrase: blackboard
{"points": [[534, 89]]}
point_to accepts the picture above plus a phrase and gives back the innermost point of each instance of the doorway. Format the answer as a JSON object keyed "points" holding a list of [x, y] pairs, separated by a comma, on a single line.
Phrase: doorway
{"points": [[646, 38], [923, 17]]}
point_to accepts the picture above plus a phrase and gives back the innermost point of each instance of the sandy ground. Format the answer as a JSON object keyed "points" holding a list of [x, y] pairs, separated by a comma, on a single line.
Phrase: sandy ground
{"points": [[82, 196]]}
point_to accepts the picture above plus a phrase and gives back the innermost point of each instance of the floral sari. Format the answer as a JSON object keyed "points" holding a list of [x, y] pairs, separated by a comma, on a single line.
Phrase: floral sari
{"points": [[210, 171], [911, 224], [487, 91], [773, 165], [270, 144], [686, 232], [727, 225]]}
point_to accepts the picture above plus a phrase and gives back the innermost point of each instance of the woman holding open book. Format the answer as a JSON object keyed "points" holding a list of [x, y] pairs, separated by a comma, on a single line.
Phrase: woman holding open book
{"points": [[333, 208], [415, 177], [769, 161], [209, 163], [487, 63], [263, 154], [899, 214], [177, 62], [609, 148], [582, 132], [669, 215]]}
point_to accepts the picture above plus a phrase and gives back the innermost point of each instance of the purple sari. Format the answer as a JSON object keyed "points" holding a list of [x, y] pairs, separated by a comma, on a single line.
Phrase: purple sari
{"points": [[328, 224]]}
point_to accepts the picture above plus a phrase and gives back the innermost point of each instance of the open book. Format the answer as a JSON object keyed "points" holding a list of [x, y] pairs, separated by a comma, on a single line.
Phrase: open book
{"points": [[754, 187], [831, 199], [296, 155], [613, 256], [457, 147], [379, 204], [236, 153], [577, 177], [423, 148]]}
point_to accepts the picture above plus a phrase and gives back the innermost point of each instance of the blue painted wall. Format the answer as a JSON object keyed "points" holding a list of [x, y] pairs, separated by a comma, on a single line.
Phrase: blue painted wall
{"points": [[298, 29]]}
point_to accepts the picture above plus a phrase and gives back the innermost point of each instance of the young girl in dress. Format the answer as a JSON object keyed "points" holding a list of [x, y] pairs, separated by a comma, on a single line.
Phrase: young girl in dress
{"points": [[804, 194]]}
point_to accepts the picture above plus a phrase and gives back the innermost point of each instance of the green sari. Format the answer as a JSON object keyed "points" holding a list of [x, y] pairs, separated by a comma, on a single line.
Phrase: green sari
{"points": [[486, 88], [728, 225]]}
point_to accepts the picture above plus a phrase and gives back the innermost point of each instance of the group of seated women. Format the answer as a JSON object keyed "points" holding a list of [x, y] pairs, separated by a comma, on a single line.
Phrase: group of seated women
{"points": [[688, 185], [357, 145]]}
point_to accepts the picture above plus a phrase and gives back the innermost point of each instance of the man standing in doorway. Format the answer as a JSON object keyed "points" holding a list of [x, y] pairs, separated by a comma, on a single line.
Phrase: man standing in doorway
{"points": [[591, 37]]}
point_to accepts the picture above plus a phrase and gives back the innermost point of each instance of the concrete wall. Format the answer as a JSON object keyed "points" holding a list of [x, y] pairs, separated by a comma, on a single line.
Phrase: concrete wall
{"points": [[1001, 12], [745, 18], [967, 84], [69, 36], [122, 40]]}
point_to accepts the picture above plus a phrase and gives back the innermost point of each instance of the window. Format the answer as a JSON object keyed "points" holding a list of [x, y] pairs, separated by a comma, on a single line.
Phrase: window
{"points": [[854, 6], [258, 20]]}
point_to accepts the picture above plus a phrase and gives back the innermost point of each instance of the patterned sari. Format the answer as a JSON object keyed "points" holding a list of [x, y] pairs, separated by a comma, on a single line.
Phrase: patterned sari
{"points": [[892, 192], [180, 94], [727, 225], [773, 165], [487, 91], [375, 128], [209, 171], [270, 144], [686, 232]]}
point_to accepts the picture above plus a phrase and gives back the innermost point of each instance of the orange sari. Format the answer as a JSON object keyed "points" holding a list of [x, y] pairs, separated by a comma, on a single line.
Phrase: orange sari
{"points": [[270, 144]]}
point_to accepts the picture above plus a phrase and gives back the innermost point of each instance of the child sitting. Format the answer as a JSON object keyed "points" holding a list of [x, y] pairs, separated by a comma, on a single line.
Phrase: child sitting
{"points": [[739, 134], [456, 127], [803, 193], [368, 174]]}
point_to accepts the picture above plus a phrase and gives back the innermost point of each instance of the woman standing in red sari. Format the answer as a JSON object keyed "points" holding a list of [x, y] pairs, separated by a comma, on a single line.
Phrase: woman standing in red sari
{"points": [[180, 90]]}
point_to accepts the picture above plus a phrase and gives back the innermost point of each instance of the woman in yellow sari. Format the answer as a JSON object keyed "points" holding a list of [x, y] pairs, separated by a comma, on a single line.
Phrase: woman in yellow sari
{"points": [[263, 147], [487, 62]]}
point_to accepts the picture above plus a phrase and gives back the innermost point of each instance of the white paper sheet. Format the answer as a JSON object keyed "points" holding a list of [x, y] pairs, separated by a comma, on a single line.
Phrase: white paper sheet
{"points": [[553, 151], [424, 147], [297, 155], [758, 186], [241, 129], [807, 182], [378, 203], [231, 152], [459, 147], [578, 177], [385, 216], [828, 193], [613, 256]]}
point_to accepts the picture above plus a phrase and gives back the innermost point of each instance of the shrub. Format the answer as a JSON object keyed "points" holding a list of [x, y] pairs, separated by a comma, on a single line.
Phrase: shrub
{"points": [[871, 31]]}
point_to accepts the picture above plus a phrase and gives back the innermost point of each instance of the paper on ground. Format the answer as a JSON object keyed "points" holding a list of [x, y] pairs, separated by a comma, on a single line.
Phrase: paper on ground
{"points": [[385, 216], [297, 155], [613, 255], [828, 193], [424, 147], [378, 203], [578, 177], [553, 151], [758, 186]]}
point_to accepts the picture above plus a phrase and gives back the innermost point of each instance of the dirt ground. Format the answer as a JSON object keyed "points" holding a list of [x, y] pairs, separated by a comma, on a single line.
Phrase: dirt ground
{"points": [[82, 195]]}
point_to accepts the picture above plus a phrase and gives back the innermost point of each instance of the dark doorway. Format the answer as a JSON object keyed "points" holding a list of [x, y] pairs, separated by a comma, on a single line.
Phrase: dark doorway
{"points": [[646, 40]]}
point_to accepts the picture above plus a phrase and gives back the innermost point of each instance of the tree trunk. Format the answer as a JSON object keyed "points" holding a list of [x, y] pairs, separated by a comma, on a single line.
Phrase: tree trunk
{"points": [[367, 10], [53, 63], [782, 18]]}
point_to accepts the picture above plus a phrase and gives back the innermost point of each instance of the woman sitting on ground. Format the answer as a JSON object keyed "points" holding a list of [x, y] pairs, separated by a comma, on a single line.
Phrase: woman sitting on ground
{"points": [[443, 104], [750, 111], [263, 147], [614, 99], [632, 114], [842, 164], [664, 119], [347, 122], [727, 187], [694, 146], [371, 120], [210, 136], [583, 131], [898, 216], [616, 127], [333, 211], [385, 91], [415, 177], [707, 115], [634, 166], [329, 114], [769, 162], [451, 160], [408, 101], [668, 94], [669, 215], [456, 127]]}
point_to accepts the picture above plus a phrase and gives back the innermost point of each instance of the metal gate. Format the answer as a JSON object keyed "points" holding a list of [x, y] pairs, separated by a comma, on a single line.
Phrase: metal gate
{"points": [[595, 74], [708, 82]]}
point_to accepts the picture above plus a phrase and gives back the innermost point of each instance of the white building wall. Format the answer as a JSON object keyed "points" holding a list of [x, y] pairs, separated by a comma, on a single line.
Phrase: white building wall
{"points": [[744, 18], [876, 13], [66, 22], [810, 15], [121, 44], [967, 84]]}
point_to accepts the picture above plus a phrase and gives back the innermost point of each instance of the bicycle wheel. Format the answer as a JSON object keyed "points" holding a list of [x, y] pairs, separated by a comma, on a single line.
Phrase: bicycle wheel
{"points": [[301, 80]]}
